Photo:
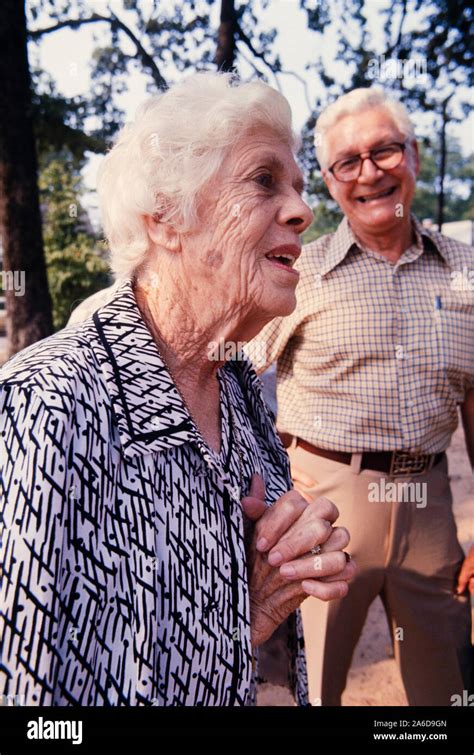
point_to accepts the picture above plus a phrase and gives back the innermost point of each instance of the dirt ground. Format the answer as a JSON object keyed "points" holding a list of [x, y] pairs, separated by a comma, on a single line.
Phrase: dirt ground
{"points": [[374, 678]]}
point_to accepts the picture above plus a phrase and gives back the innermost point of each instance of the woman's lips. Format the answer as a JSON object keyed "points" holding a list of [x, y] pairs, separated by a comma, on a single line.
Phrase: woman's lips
{"points": [[290, 270], [284, 257]]}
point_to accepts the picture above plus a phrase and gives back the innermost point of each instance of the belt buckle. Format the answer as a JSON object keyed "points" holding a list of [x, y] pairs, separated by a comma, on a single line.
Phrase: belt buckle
{"points": [[405, 464]]}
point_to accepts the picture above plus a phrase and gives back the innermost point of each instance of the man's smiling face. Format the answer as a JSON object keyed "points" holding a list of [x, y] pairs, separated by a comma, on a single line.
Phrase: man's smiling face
{"points": [[374, 202]]}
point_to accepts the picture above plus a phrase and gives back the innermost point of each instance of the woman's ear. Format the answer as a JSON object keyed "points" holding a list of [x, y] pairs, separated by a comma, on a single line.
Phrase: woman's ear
{"points": [[162, 234]]}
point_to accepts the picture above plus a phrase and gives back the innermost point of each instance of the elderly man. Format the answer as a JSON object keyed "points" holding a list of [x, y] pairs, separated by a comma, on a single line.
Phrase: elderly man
{"points": [[372, 366]]}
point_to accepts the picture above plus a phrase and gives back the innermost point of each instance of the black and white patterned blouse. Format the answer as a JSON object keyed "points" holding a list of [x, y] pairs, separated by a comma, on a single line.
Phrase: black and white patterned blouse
{"points": [[125, 578]]}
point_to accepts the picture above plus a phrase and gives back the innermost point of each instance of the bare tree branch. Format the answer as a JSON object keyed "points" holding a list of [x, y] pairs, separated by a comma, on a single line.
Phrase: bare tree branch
{"points": [[245, 39], [72, 23], [305, 86], [248, 42], [114, 21], [251, 63], [242, 35]]}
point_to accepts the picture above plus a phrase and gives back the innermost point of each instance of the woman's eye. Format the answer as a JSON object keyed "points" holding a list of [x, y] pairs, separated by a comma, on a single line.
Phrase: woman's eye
{"points": [[265, 180]]}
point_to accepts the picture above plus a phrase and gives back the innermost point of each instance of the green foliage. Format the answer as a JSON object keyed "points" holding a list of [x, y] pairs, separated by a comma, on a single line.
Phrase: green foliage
{"points": [[74, 273], [326, 219], [75, 263], [59, 121], [459, 199]]}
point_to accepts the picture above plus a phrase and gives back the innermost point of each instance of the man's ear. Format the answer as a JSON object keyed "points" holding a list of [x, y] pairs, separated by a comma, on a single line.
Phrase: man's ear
{"points": [[328, 180], [416, 157], [162, 234]]}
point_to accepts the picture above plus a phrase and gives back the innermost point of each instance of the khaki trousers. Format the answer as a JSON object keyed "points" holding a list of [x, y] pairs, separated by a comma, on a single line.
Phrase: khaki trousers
{"points": [[410, 556]]}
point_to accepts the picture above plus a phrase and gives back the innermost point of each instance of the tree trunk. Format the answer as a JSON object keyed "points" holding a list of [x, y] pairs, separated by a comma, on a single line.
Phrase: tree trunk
{"points": [[225, 55], [442, 164], [28, 304]]}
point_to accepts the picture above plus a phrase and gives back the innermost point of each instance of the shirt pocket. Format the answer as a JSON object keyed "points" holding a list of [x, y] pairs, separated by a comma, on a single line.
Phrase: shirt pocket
{"points": [[454, 334]]}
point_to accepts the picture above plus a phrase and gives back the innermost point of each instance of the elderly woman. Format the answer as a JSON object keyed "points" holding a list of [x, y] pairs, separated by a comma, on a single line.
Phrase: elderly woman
{"points": [[134, 451]]}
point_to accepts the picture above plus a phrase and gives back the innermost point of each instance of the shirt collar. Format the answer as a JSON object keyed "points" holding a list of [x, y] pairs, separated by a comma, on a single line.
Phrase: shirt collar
{"points": [[344, 239], [148, 408], [150, 413], [433, 240]]}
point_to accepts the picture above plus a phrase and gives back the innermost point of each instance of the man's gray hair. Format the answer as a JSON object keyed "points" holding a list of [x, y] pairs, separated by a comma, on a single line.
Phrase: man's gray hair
{"points": [[358, 101], [162, 161]]}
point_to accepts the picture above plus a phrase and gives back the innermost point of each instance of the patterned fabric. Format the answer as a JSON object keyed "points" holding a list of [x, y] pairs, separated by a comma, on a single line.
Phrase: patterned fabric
{"points": [[376, 355], [125, 576], [92, 303]]}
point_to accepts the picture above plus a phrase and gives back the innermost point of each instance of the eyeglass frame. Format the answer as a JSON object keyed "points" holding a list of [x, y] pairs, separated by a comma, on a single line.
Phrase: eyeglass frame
{"points": [[368, 156]]}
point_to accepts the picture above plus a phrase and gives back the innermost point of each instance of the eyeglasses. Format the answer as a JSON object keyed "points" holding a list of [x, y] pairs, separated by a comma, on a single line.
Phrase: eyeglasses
{"points": [[386, 157]]}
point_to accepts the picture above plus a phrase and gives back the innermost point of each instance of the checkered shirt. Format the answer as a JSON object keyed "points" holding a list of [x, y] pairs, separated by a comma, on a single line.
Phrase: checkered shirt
{"points": [[377, 355]]}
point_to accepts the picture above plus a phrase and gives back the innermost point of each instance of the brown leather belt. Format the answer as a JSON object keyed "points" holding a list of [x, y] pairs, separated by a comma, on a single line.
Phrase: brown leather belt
{"points": [[394, 463]]}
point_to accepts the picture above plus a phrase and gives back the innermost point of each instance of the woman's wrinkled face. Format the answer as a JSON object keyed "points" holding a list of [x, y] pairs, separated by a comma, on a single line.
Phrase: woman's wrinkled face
{"points": [[242, 256]]}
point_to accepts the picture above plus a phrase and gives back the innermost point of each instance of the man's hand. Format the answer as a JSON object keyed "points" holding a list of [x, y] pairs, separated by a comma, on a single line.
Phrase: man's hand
{"points": [[466, 575], [467, 415], [282, 572]]}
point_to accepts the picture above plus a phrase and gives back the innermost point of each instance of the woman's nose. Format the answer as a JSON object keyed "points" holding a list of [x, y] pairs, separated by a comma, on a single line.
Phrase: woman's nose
{"points": [[297, 213]]}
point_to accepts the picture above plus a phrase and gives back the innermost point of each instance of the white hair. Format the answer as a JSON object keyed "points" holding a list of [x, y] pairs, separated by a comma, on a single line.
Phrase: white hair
{"points": [[358, 101], [162, 161]]}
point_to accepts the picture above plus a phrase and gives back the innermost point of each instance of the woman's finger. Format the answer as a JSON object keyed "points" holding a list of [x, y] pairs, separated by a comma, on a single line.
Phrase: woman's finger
{"points": [[278, 519], [325, 590], [338, 540], [253, 504], [312, 528], [300, 541], [347, 573], [253, 508], [316, 567]]}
